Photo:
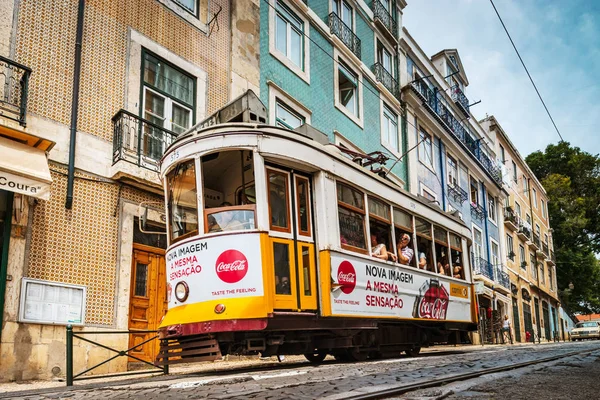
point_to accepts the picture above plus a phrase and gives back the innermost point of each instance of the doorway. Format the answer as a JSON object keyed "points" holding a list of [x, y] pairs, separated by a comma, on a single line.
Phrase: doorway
{"points": [[147, 300], [6, 200], [516, 320], [292, 239]]}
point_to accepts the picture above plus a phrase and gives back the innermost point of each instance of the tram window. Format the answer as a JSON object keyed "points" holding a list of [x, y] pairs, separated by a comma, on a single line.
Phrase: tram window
{"points": [[351, 213], [306, 270], [182, 197], [424, 244], [281, 259], [228, 191], [441, 250], [278, 201], [403, 224], [302, 192], [380, 229], [458, 270]]}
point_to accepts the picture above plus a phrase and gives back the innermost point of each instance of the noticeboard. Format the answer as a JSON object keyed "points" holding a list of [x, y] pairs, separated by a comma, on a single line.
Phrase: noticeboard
{"points": [[56, 303]]}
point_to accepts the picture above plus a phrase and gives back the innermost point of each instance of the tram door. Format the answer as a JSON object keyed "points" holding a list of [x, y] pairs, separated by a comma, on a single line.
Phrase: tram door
{"points": [[148, 300], [292, 240]]}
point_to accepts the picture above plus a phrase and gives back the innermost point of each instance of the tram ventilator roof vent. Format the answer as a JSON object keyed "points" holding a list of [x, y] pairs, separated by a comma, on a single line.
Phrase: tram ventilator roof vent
{"points": [[313, 133], [246, 108]]}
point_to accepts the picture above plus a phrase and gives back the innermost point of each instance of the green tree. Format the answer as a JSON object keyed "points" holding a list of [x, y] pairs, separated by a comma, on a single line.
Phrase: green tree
{"points": [[571, 178]]}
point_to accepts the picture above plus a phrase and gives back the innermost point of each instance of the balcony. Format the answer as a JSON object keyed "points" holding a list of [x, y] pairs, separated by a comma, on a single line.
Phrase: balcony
{"points": [[459, 98], [139, 141], [342, 31], [551, 259], [477, 212], [435, 104], [545, 249], [502, 278], [383, 17], [534, 244], [14, 83], [483, 267], [524, 233], [510, 219], [386, 79], [456, 193]]}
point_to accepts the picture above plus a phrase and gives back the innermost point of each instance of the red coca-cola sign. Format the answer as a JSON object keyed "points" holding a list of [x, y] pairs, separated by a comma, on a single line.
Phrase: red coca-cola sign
{"points": [[433, 301], [231, 266], [346, 277]]}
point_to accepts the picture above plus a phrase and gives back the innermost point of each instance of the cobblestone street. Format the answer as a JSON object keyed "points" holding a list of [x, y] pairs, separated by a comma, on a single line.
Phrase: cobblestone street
{"points": [[333, 380]]}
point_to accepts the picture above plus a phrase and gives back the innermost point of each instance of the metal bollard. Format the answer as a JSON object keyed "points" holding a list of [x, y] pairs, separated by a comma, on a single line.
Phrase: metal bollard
{"points": [[69, 355]]}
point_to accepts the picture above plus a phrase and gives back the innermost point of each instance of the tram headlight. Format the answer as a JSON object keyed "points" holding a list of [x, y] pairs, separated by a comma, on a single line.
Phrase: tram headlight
{"points": [[182, 291]]}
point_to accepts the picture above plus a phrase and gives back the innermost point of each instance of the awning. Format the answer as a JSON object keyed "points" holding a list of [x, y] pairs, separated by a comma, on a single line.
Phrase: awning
{"points": [[24, 169]]}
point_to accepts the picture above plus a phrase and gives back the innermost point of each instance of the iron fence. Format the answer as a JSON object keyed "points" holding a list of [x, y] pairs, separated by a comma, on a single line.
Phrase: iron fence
{"points": [[456, 193], [503, 278], [477, 211], [460, 99], [483, 267], [344, 32], [139, 141], [14, 86], [119, 353]]}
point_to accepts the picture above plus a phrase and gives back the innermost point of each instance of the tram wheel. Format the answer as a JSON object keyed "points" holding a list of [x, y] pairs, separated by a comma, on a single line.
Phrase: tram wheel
{"points": [[316, 357], [375, 355], [413, 352], [341, 356]]}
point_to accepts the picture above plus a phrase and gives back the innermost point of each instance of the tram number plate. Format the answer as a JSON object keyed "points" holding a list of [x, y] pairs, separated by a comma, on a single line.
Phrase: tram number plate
{"points": [[174, 156]]}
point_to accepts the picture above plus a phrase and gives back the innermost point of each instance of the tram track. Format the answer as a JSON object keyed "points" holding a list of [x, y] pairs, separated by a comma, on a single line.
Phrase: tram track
{"points": [[430, 383]]}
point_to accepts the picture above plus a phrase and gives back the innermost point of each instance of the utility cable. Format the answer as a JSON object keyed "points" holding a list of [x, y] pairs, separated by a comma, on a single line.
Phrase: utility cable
{"points": [[526, 70]]}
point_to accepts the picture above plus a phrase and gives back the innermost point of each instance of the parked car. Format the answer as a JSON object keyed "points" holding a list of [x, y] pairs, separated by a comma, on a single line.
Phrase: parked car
{"points": [[586, 330]]}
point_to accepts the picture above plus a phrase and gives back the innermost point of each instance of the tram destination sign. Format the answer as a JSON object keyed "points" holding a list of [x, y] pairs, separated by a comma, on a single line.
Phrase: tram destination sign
{"points": [[374, 289], [216, 268]]}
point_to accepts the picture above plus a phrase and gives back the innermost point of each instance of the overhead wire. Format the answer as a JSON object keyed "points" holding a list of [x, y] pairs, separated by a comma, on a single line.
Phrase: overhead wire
{"points": [[526, 70]]}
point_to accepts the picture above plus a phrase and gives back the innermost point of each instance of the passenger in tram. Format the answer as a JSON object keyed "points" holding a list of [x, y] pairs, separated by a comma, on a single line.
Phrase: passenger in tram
{"points": [[378, 250], [458, 269], [443, 266], [213, 226], [422, 258], [282, 285], [405, 253], [229, 220]]}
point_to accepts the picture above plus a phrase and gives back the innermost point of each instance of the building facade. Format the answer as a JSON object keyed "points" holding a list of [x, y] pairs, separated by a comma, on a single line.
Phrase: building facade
{"points": [[334, 65], [528, 250], [73, 250]]}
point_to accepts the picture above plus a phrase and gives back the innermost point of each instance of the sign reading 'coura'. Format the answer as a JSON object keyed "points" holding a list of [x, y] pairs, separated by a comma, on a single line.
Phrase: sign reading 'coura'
{"points": [[27, 186]]}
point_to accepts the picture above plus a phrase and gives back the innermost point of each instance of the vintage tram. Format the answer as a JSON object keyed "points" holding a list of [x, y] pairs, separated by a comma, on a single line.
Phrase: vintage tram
{"points": [[272, 235]]}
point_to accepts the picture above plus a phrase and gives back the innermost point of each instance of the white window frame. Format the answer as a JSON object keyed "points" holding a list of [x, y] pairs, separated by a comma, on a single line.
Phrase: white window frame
{"points": [[522, 257], [455, 169], [193, 18], [515, 172], [303, 73], [478, 199], [168, 121], [277, 94], [357, 119], [492, 211], [534, 268], [384, 135], [518, 209], [510, 247], [424, 189], [481, 245], [534, 199], [351, 6], [543, 207], [525, 186], [495, 262], [422, 154]]}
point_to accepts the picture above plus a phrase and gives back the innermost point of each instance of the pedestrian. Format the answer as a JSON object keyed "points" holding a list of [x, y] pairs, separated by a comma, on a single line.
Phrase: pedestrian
{"points": [[506, 329]]}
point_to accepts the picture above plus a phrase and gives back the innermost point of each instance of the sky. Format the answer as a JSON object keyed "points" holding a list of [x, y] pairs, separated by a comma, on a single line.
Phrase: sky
{"points": [[559, 42]]}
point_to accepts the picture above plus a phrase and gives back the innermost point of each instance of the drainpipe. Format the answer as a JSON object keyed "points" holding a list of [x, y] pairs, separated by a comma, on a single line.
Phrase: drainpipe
{"points": [[443, 174], [75, 104]]}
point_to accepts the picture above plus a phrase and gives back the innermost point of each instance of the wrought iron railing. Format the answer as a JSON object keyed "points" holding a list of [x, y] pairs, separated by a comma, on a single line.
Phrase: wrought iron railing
{"points": [[525, 231], [483, 267], [139, 141], [552, 256], [344, 32], [380, 13], [387, 79], [460, 99], [14, 85], [510, 216], [536, 241], [503, 278], [477, 211], [456, 193], [545, 249], [436, 105]]}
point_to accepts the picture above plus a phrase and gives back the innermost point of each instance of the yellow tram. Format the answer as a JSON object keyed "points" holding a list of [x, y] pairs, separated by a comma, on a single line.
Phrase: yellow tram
{"points": [[275, 246]]}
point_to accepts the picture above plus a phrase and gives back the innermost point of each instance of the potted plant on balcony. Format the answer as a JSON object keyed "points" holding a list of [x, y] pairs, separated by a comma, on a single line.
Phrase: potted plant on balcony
{"points": [[511, 256]]}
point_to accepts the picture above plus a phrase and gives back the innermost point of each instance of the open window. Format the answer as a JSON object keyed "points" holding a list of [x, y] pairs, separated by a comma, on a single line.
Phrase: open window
{"points": [[351, 213], [380, 229], [182, 201], [228, 189], [441, 251], [424, 245], [403, 230], [458, 269]]}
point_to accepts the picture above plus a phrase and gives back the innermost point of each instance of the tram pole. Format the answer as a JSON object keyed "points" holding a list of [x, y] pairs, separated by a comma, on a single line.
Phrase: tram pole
{"points": [[69, 355]]}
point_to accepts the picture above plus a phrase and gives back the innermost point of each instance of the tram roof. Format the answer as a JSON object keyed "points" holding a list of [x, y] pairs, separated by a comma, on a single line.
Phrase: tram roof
{"points": [[311, 137]]}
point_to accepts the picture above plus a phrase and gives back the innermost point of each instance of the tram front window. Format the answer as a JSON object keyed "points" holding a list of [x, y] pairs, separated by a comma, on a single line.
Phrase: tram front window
{"points": [[228, 189], [182, 206]]}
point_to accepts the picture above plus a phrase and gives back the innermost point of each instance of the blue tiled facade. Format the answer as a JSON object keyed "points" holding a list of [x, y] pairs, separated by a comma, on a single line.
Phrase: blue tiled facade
{"points": [[319, 95]]}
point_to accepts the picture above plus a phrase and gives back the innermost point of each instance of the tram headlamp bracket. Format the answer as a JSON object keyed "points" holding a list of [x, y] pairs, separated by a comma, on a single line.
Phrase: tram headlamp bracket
{"points": [[182, 291]]}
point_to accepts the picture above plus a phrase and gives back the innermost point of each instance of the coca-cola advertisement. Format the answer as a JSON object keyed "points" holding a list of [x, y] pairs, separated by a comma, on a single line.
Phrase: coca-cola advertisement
{"points": [[371, 288], [216, 268]]}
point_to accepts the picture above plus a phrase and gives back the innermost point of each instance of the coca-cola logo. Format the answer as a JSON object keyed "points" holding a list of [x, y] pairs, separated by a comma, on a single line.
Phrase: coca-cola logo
{"points": [[231, 266], [433, 309], [346, 277]]}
